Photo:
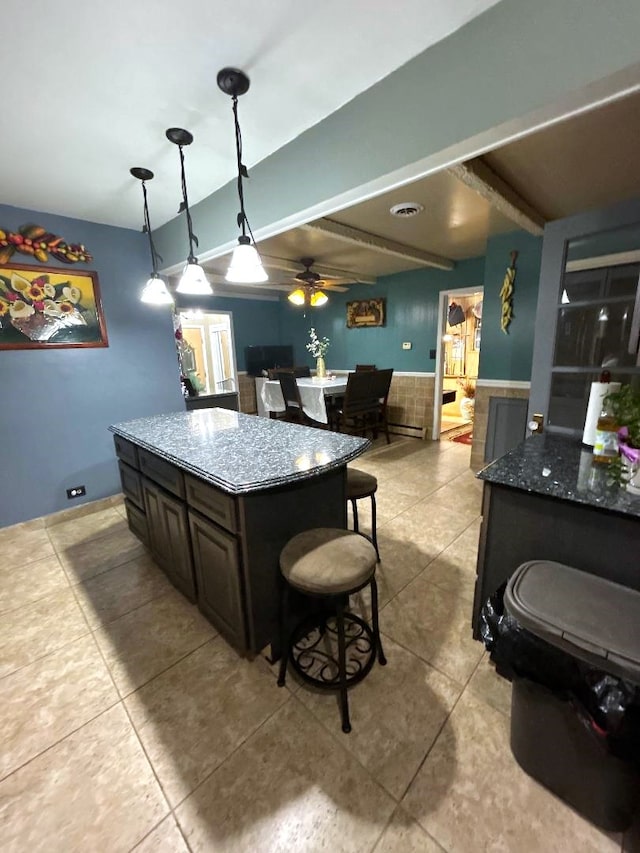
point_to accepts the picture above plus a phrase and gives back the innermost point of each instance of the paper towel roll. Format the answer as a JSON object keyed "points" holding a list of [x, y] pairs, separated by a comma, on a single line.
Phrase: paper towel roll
{"points": [[599, 391]]}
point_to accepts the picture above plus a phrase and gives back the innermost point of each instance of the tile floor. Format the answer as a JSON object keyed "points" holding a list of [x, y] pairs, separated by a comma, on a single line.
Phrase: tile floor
{"points": [[128, 724]]}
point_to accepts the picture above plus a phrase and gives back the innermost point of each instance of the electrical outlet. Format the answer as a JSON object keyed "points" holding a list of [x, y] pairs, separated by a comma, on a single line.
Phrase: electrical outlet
{"points": [[406, 345], [76, 492]]}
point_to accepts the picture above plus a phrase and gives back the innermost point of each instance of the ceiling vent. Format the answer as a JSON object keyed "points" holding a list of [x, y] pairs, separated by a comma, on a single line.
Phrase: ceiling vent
{"points": [[406, 209]]}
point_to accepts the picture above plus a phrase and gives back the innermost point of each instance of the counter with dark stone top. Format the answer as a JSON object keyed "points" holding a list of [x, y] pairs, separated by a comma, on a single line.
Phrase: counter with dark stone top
{"points": [[561, 468], [241, 453], [546, 500]]}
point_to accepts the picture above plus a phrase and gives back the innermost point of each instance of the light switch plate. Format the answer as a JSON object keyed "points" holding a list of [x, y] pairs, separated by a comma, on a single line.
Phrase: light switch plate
{"points": [[406, 345]]}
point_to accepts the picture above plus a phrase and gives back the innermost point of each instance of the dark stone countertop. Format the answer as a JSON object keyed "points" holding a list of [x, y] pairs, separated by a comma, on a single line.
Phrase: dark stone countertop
{"points": [[241, 453], [561, 468]]}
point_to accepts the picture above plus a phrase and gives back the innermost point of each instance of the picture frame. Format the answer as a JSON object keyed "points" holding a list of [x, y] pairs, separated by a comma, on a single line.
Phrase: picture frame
{"points": [[364, 313], [50, 308]]}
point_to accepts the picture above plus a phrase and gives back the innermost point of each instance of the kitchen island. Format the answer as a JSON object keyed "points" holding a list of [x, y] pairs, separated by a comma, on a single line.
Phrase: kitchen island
{"points": [[546, 500], [215, 495]]}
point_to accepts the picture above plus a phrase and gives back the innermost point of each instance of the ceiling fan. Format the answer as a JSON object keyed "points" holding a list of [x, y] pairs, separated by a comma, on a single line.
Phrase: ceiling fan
{"points": [[310, 286]]}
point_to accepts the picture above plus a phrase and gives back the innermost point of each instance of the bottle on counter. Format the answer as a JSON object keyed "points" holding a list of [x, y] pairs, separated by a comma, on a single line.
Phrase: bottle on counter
{"points": [[605, 448]]}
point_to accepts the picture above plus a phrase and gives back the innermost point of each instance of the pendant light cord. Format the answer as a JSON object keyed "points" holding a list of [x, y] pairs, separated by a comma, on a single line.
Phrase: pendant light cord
{"points": [[185, 206], [243, 222], [155, 257]]}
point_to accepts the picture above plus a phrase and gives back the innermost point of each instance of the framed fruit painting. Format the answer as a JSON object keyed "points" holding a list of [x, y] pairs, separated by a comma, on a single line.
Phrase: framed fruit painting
{"points": [[48, 307]]}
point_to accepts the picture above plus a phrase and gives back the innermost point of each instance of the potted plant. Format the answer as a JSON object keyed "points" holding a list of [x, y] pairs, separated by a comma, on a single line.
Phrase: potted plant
{"points": [[625, 406], [468, 399]]}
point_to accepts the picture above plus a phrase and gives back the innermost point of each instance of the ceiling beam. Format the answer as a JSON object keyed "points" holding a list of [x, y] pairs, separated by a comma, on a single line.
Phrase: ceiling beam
{"points": [[378, 244], [285, 265], [500, 195]]}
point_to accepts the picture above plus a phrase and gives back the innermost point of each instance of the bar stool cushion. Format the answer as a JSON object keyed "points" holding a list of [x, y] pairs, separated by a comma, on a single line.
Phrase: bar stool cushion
{"points": [[327, 561], [360, 484]]}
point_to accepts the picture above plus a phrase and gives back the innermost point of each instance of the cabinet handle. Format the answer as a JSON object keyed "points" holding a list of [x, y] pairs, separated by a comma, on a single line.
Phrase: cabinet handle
{"points": [[634, 334]]}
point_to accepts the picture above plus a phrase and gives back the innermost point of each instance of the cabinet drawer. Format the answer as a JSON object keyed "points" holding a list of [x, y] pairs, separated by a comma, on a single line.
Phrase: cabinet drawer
{"points": [[161, 472], [212, 502], [137, 522], [126, 450], [131, 484]]}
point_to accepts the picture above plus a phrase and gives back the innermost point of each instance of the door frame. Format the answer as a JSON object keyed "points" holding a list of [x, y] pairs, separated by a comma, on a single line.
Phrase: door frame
{"points": [[443, 299]]}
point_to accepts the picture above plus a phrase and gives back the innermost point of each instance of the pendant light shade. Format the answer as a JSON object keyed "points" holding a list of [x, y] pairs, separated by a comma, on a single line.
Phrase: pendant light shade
{"points": [[193, 279], [298, 297], [155, 290], [246, 265]]}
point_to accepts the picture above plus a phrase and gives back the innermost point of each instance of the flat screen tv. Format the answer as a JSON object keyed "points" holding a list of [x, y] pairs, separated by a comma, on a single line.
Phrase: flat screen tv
{"points": [[257, 359]]}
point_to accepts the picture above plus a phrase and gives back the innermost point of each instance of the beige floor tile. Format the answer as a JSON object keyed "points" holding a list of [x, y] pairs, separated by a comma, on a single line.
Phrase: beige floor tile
{"points": [[93, 791], [436, 625], [15, 531], [455, 568], [289, 787], [24, 583], [45, 701], [396, 713], [89, 558], [37, 629], [487, 685], [81, 511], [404, 835], [22, 546], [85, 528], [191, 717], [471, 795], [120, 590], [165, 838], [147, 641]]}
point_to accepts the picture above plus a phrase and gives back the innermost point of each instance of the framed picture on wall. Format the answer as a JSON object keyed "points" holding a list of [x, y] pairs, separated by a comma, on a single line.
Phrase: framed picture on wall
{"points": [[366, 312], [45, 307]]}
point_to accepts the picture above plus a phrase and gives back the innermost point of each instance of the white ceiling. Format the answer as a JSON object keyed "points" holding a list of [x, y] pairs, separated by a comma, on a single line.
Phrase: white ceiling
{"points": [[90, 87]]}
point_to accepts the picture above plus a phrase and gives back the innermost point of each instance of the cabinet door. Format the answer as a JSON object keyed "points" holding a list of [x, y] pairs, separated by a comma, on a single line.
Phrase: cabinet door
{"points": [[217, 565], [169, 537]]}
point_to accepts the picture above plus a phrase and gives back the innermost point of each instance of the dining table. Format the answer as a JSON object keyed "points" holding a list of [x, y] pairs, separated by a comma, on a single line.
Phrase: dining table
{"points": [[313, 393]]}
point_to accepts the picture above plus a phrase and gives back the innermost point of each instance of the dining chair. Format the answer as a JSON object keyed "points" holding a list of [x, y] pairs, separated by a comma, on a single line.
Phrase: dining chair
{"points": [[381, 387], [293, 411], [360, 406], [302, 372], [360, 367]]}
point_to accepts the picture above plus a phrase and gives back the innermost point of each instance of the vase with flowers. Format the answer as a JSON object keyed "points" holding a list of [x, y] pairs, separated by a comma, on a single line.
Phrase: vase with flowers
{"points": [[468, 399], [625, 407], [318, 348]]}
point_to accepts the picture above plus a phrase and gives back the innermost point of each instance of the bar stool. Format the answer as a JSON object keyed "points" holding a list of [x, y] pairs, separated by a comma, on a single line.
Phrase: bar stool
{"points": [[329, 565], [363, 485]]}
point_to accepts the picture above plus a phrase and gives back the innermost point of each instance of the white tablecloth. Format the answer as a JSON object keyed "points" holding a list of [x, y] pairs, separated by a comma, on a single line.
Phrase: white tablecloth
{"points": [[312, 393]]}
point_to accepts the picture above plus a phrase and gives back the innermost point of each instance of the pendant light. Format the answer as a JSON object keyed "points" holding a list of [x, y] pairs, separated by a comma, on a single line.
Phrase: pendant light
{"points": [[246, 265], [193, 279], [155, 290]]}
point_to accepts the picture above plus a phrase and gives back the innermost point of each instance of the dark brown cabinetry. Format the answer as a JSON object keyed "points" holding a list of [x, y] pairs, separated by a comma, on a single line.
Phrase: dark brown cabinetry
{"points": [[219, 549], [217, 566]]}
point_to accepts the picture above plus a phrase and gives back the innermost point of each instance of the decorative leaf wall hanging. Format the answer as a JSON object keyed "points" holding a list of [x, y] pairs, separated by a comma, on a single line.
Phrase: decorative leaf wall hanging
{"points": [[506, 294], [36, 242]]}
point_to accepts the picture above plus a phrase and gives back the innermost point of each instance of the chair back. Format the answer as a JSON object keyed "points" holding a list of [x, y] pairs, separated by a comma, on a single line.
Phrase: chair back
{"points": [[361, 367], [382, 384], [290, 392], [359, 398], [302, 372]]}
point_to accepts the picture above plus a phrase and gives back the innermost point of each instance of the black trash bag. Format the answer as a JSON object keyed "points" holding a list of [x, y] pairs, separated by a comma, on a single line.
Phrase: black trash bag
{"points": [[607, 705]]}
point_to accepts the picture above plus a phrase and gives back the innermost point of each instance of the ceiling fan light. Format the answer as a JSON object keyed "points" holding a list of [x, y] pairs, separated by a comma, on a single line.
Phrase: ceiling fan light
{"points": [[155, 292], [246, 264], [194, 281], [297, 296], [318, 298]]}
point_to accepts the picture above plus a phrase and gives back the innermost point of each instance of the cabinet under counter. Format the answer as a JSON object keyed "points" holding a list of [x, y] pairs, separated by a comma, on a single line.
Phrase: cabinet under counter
{"points": [[216, 495]]}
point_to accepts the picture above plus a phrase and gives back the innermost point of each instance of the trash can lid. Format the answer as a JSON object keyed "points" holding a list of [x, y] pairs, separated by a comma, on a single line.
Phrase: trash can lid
{"points": [[589, 617]]}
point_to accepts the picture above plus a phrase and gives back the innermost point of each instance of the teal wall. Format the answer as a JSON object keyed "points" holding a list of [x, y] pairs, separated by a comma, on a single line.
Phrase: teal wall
{"points": [[509, 356], [412, 315], [57, 404]]}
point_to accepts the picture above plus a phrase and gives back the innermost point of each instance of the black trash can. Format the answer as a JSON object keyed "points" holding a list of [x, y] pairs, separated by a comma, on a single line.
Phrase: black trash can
{"points": [[552, 738]]}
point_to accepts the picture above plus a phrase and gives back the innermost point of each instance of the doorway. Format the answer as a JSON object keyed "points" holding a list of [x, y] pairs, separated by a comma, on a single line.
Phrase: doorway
{"points": [[457, 361], [207, 351]]}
